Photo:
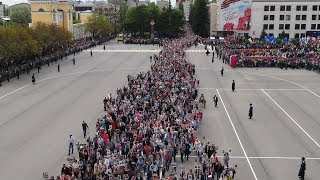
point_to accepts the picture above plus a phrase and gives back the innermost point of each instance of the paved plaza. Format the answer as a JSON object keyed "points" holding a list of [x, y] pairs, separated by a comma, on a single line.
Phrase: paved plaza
{"points": [[36, 120]]}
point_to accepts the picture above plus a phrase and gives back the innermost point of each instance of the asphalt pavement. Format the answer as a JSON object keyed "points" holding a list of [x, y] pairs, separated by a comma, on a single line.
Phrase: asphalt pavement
{"points": [[36, 120]]}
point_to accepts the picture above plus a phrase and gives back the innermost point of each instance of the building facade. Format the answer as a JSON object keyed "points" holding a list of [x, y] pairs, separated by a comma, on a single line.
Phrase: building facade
{"points": [[163, 3], [1, 9], [294, 17], [52, 11]]}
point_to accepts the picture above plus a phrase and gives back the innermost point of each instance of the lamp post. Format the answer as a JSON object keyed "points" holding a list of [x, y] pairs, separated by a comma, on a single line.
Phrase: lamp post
{"points": [[152, 29]]}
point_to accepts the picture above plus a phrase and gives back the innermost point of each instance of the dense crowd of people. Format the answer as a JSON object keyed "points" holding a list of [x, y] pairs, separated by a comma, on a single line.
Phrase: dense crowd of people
{"points": [[9, 69], [142, 41], [261, 54], [150, 126]]}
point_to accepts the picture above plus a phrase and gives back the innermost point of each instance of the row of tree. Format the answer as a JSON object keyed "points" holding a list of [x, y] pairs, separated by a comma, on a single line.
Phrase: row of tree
{"points": [[21, 42], [199, 17], [168, 21]]}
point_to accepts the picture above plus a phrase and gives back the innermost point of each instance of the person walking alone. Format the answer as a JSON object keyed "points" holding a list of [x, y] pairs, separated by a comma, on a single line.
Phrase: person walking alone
{"points": [[302, 169], [250, 111], [215, 100], [33, 79], [58, 67], [74, 61], [233, 86], [91, 52], [85, 127], [222, 71], [212, 57], [71, 142]]}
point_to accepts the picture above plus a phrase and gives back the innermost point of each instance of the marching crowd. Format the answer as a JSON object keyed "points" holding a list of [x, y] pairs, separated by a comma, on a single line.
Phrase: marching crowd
{"points": [[9, 69], [262, 54], [150, 127]]}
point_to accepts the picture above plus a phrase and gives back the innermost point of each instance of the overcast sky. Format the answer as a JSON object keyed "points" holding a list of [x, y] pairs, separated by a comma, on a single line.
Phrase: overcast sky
{"points": [[11, 2]]}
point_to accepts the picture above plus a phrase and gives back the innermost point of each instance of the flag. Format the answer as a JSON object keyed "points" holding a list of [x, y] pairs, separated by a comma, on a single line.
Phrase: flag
{"points": [[226, 3]]}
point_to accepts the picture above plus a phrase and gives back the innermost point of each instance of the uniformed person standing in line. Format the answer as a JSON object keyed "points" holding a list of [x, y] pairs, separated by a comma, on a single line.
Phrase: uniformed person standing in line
{"points": [[18, 73], [84, 128], [215, 100], [233, 86], [38, 67], [58, 67], [33, 79], [222, 71], [302, 169], [212, 57], [250, 111]]}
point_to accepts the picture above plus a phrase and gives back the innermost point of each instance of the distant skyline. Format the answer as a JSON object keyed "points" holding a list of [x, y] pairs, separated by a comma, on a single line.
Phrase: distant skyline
{"points": [[12, 2]]}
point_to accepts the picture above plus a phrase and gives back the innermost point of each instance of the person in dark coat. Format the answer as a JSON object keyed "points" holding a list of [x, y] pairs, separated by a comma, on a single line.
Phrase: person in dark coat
{"points": [[104, 47], [250, 111], [222, 71], [215, 100], [38, 67], [74, 61], [33, 79], [233, 86], [91, 52], [302, 169], [58, 67]]}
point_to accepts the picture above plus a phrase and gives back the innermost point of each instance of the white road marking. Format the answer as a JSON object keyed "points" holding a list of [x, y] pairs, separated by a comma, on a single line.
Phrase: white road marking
{"points": [[68, 74], [283, 80], [263, 157], [236, 133], [291, 118], [253, 89]]}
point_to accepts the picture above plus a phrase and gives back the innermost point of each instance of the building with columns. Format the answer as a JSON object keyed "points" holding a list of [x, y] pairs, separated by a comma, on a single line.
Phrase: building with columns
{"points": [[52, 11]]}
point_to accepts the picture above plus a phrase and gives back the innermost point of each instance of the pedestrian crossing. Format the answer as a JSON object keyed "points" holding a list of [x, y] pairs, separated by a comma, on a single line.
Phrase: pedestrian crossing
{"points": [[141, 50]]}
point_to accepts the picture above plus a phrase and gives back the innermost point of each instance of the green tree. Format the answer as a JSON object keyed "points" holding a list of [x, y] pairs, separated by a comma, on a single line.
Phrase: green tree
{"points": [[199, 17], [135, 20], [181, 7], [282, 35], [20, 15], [262, 35], [99, 26]]}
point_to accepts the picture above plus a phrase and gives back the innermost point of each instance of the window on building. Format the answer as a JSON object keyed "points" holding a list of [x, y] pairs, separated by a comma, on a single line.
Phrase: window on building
{"points": [[302, 35], [304, 17], [41, 10], [314, 17], [271, 26], [271, 17], [318, 26], [282, 8], [298, 17], [303, 26], [297, 26], [266, 17], [304, 8], [281, 26], [281, 17], [288, 8], [314, 8], [298, 8], [318, 17], [296, 35], [272, 8], [265, 26], [288, 17], [266, 8], [313, 26], [287, 26]]}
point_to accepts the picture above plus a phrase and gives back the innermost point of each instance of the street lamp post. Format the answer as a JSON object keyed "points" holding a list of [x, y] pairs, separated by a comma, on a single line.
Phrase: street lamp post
{"points": [[152, 29]]}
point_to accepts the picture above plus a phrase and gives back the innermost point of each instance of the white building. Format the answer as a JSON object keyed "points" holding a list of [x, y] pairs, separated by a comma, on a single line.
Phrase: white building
{"points": [[1, 9], [294, 17], [163, 3]]}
